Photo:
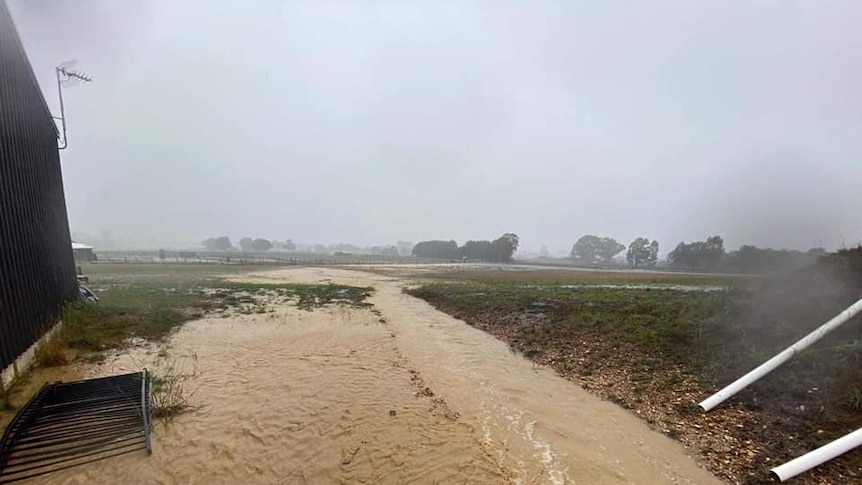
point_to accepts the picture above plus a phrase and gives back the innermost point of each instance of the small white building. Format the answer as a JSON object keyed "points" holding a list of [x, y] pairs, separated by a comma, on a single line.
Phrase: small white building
{"points": [[83, 253]]}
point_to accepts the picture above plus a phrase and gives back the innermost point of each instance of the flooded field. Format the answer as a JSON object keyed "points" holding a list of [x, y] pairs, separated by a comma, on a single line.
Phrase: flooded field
{"points": [[395, 393]]}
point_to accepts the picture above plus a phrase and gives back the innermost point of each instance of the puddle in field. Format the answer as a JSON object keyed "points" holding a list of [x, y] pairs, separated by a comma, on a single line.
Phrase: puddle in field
{"points": [[705, 288], [400, 393]]}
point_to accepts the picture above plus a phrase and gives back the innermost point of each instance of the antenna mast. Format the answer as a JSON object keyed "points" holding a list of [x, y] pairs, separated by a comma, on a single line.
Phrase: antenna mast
{"points": [[66, 75]]}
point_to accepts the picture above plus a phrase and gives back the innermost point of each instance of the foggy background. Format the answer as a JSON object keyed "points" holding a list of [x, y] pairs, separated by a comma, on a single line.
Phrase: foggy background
{"points": [[370, 122]]}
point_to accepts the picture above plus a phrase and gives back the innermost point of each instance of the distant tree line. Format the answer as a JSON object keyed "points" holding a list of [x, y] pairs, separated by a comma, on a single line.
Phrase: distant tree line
{"points": [[345, 248], [389, 251], [710, 255], [217, 243], [706, 255], [499, 250], [223, 243], [752, 258], [437, 250], [592, 249], [258, 244]]}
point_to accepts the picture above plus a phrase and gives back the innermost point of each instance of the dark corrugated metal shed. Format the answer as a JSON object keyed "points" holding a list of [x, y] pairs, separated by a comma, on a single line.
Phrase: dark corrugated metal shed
{"points": [[37, 271]]}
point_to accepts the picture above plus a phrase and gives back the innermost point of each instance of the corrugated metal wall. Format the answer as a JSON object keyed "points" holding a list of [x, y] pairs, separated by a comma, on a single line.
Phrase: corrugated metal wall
{"points": [[37, 272]]}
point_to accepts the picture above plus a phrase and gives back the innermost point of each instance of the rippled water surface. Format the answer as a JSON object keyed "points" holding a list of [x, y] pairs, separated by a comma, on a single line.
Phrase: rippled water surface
{"points": [[405, 394]]}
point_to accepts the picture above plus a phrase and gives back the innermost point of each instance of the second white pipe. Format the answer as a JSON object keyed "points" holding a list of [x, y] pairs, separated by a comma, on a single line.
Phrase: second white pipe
{"points": [[781, 358], [820, 455]]}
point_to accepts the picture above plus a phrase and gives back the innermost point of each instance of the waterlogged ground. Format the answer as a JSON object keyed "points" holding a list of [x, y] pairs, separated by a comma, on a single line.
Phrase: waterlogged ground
{"points": [[659, 349], [394, 393]]}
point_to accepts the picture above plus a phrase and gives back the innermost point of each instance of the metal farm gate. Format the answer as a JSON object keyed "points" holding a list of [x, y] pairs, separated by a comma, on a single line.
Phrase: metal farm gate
{"points": [[37, 271]]}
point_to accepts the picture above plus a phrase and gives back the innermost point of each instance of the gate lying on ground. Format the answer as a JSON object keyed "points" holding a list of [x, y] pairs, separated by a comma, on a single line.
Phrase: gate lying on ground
{"points": [[70, 424], [37, 270]]}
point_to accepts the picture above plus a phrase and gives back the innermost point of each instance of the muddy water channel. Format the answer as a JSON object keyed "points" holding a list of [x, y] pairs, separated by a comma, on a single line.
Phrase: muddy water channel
{"points": [[398, 393]]}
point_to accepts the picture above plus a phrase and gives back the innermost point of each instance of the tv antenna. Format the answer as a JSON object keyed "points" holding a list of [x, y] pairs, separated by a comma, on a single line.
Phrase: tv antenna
{"points": [[67, 76]]}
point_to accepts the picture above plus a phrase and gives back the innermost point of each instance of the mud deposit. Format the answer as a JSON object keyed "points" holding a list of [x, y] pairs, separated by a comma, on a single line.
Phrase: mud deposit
{"points": [[397, 393]]}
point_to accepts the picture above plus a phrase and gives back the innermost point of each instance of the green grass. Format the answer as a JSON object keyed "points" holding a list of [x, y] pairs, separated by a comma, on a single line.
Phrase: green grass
{"points": [[171, 397], [52, 353], [672, 324], [580, 277], [173, 272], [93, 327], [129, 308]]}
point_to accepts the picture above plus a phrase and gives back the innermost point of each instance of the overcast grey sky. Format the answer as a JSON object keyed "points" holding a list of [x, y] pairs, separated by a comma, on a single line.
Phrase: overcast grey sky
{"points": [[372, 121]]}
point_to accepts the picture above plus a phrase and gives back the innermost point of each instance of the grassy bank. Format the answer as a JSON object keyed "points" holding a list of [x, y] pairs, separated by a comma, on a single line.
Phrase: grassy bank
{"points": [[659, 351]]}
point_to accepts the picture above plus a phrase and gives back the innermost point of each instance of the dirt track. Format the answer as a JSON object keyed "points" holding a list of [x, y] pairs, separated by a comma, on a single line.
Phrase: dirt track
{"points": [[409, 395]]}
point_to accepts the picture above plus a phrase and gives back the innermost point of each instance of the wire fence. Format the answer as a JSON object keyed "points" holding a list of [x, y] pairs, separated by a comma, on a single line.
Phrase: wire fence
{"points": [[252, 258], [37, 272]]}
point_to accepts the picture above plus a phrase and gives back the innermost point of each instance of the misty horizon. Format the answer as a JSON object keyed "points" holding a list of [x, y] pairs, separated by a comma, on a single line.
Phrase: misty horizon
{"points": [[419, 121]]}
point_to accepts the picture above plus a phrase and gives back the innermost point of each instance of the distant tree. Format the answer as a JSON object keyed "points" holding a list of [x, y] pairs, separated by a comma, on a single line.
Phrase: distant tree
{"points": [[587, 249], [498, 250], [246, 244], [162, 254], [749, 258], [288, 245], [390, 252], [261, 244], [610, 248], [320, 248], [505, 247], [483, 250], [639, 252], [217, 243], [652, 258], [347, 248], [706, 254], [752, 259], [436, 250], [405, 248], [682, 256], [713, 251], [593, 249]]}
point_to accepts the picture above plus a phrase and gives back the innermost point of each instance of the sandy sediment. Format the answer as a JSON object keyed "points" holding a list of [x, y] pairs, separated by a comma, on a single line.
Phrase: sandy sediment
{"points": [[400, 393]]}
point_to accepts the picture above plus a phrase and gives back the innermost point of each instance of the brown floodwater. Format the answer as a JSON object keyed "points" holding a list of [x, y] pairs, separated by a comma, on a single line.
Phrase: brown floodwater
{"points": [[342, 395]]}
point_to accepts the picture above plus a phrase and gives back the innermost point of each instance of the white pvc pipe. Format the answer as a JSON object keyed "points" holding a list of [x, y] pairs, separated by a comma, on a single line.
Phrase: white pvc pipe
{"points": [[784, 356], [820, 455]]}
